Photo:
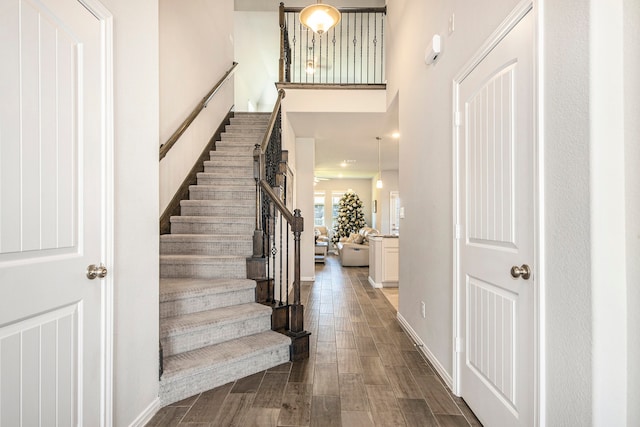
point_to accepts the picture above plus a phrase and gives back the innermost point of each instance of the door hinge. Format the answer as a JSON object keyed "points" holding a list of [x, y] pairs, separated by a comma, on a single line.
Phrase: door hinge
{"points": [[458, 345], [457, 232], [456, 118]]}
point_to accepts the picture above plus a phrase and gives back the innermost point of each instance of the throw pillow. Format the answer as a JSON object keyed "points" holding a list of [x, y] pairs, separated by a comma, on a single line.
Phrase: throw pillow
{"points": [[359, 239]]}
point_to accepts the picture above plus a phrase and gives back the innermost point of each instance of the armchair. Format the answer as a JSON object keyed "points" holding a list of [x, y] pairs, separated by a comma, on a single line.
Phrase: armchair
{"points": [[354, 251]]}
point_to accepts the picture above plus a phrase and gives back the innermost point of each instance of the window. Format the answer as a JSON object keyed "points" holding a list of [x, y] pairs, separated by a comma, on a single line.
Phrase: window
{"points": [[335, 205], [318, 208]]}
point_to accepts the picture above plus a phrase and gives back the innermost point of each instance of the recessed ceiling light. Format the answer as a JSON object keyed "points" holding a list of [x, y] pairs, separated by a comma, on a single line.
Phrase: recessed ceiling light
{"points": [[395, 135]]}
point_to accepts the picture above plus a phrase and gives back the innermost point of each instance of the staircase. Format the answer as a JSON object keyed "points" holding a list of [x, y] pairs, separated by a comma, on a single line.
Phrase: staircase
{"points": [[211, 329]]}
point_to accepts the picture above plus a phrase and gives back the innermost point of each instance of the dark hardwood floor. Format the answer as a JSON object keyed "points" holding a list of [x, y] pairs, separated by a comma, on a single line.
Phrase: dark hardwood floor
{"points": [[363, 371]]}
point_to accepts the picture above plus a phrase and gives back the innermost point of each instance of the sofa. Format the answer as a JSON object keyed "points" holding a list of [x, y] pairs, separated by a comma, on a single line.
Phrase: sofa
{"points": [[354, 250]]}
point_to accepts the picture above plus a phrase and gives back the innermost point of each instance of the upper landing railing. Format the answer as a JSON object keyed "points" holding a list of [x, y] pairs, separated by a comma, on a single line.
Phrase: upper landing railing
{"points": [[351, 53]]}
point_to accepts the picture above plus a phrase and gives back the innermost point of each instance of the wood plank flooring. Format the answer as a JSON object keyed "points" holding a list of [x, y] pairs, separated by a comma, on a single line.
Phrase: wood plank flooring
{"points": [[363, 370]]}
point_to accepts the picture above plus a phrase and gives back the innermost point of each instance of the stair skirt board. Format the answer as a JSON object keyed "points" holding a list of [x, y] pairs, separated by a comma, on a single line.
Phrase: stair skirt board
{"points": [[184, 296], [189, 332], [187, 374]]}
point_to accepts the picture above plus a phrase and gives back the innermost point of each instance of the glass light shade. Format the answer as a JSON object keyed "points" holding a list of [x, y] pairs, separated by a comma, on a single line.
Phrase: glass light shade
{"points": [[310, 68], [379, 183], [319, 17]]}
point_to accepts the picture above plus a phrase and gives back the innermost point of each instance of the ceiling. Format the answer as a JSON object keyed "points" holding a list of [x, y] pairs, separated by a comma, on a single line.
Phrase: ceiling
{"points": [[342, 137]]}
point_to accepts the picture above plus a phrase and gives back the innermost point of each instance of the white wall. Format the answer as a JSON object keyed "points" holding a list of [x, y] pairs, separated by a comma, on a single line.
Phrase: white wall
{"points": [[589, 201], [196, 49], [632, 156], [135, 269], [381, 219], [425, 172], [257, 51], [305, 158]]}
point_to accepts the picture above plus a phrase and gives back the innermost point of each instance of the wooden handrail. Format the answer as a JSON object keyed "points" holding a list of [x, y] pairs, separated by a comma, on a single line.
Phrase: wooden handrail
{"points": [[164, 148], [286, 213], [272, 120], [382, 9]]}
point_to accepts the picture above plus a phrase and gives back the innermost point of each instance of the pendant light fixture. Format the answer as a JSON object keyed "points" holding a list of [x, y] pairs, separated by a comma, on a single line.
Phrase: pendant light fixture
{"points": [[379, 182], [319, 17]]}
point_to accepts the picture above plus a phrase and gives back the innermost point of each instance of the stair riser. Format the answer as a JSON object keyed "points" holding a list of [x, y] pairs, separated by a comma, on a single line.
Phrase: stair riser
{"points": [[213, 248], [209, 228], [245, 129], [226, 181], [244, 172], [227, 159], [224, 147], [176, 389], [211, 194], [253, 121], [233, 161], [257, 139], [207, 302], [214, 335], [230, 269], [197, 210], [217, 210]]}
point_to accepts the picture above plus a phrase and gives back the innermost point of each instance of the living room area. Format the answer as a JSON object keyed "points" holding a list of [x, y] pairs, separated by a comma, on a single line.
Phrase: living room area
{"points": [[356, 227]]}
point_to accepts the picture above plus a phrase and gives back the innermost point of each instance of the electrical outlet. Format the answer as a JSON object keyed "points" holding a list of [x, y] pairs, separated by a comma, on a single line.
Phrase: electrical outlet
{"points": [[423, 309]]}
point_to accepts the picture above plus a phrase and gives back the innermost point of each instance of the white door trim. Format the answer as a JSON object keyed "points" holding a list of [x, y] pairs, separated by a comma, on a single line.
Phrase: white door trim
{"points": [[524, 7], [105, 17]]}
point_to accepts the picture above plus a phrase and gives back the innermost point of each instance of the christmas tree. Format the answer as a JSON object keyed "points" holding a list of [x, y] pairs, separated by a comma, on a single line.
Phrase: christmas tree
{"points": [[350, 216]]}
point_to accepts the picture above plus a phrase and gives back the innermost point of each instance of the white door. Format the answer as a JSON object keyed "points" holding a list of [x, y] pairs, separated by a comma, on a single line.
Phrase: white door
{"points": [[496, 207], [52, 222]]}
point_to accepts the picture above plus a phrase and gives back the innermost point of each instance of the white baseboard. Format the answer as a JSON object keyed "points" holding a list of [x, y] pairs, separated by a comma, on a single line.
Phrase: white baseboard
{"points": [[308, 279], [427, 353], [374, 284], [147, 414]]}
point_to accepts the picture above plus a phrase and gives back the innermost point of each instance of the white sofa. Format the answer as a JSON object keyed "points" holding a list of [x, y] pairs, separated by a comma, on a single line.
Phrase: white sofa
{"points": [[353, 254]]}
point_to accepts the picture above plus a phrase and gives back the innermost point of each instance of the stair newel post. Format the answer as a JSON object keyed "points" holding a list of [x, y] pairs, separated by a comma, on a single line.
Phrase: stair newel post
{"points": [[298, 228], [258, 162], [299, 337]]}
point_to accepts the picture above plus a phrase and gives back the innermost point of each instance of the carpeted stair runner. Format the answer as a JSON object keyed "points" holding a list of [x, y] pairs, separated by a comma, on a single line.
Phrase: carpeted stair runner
{"points": [[211, 329]]}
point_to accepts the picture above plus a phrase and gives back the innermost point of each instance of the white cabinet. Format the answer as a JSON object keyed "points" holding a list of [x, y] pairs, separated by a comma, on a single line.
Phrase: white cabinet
{"points": [[383, 261]]}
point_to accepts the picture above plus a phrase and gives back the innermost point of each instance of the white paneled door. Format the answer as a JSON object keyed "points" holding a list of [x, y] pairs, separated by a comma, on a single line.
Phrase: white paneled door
{"points": [[496, 245], [53, 127]]}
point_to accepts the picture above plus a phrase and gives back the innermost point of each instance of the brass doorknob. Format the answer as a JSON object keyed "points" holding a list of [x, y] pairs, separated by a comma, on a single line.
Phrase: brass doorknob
{"points": [[523, 271], [94, 271]]}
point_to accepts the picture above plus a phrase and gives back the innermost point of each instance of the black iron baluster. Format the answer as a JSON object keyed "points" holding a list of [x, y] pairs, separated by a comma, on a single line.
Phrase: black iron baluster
{"points": [[347, 71], [381, 48], [320, 60], [280, 250], [375, 45], [313, 57], [287, 271], [334, 55], [368, 42], [361, 39]]}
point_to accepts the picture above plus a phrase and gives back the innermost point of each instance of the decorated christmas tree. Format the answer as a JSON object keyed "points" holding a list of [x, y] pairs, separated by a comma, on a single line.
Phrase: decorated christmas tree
{"points": [[350, 216]]}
